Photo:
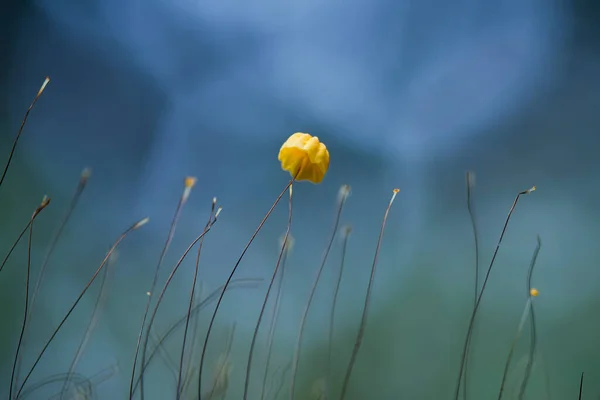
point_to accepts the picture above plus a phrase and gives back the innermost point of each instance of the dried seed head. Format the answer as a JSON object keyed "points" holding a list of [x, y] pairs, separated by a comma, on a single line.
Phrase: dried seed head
{"points": [[190, 181], [343, 193], [141, 223]]}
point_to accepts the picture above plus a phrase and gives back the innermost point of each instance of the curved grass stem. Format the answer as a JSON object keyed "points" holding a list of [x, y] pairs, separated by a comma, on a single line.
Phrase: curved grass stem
{"points": [[343, 196], [264, 304], [485, 281], [133, 227], [363, 322], [228, 281]]}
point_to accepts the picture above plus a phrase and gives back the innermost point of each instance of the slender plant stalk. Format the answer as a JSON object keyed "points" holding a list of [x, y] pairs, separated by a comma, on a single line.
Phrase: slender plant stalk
{"points": [[100, 300], [191, 302], [83, 179], [16, 141], [363, 322], [37, 211], [514, 344], [188, 185], [343, 196], [228, 281], [135, 226], [470, 184], [274, 318], [485, 280], [164, 290], [347, 231], [236, 283], [533, 330], [264, 304]]}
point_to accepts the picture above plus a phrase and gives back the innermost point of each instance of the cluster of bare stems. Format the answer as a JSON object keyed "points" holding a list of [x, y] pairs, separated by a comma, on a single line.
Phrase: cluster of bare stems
{"points": [[187, 368]]}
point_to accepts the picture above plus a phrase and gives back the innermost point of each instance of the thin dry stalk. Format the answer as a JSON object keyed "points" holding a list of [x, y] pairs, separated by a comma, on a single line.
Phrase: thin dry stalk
{"points": [[485, 280], [38, 210], [134, 227], [191, 302], [363, 322], [16, 141], [188, 185], [343, 196], [228, 281], [275, 316], [264, 304]]}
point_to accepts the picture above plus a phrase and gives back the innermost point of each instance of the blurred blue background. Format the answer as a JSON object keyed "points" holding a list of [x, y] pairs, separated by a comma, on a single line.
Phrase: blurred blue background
{"points": [[407, 94]]}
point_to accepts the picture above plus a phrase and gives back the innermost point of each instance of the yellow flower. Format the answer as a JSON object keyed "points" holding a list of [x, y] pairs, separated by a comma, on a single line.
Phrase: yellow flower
{"points": [[304, 157]]}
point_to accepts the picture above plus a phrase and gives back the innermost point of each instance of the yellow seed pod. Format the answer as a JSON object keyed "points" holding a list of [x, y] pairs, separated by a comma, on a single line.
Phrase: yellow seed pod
{"points": [[304, 157], [534, 292], [190, 181]]}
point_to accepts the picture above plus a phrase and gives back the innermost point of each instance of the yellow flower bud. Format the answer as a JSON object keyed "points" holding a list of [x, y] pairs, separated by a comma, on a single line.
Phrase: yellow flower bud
{"points": [[304, 157]]}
